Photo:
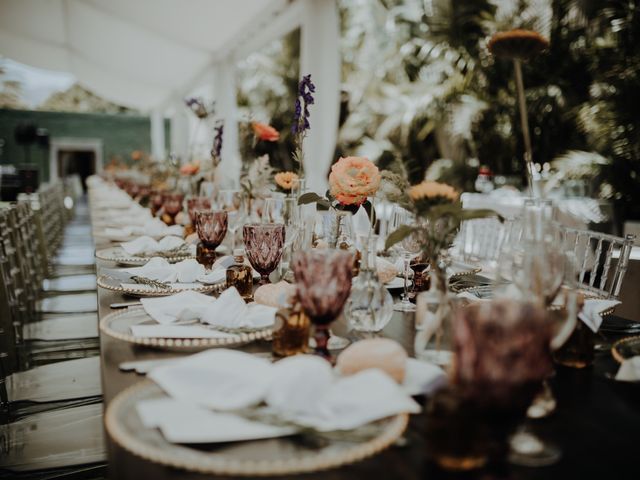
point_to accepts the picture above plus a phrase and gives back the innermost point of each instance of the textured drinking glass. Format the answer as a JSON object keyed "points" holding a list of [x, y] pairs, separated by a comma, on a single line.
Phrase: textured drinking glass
{"points": [[323, 279], [197, 203], [157, 200], [263, 243], [211, 227]]}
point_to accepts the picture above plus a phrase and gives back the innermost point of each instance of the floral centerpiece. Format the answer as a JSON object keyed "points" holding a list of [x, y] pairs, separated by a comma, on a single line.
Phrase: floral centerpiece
{"points": [[286, 182], [256, 181], [351, 182], [439, 213]]}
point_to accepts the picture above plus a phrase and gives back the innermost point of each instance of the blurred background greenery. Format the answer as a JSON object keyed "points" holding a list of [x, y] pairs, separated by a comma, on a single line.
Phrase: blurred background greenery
{"points": [[421, 94]]}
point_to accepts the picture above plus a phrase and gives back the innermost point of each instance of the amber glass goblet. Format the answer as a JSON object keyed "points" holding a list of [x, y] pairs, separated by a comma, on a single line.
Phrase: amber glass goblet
{"points": [[263, 243], [211, 227], [323, 279], [194, 204], [172, 206]]}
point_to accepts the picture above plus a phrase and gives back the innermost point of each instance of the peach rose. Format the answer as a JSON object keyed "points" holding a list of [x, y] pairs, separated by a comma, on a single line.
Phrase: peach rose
{"points": [[265, 132], [286, 180], [353, 179]]}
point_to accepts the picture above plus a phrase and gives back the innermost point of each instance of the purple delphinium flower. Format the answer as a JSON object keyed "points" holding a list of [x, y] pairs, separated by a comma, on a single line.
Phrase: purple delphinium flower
{"points": [[217, 142], [198, 107], [304, 99]]}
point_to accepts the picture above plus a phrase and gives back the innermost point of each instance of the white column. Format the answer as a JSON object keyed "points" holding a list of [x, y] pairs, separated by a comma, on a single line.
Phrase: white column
{"points": [[320, 56], [226, 109], [157, 134], [180, 130]]}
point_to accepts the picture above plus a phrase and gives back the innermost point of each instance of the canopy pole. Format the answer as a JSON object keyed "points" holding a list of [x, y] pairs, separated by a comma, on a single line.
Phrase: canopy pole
{"points": [[320, 56], [157, 134], [179, 130], [228, 174]]}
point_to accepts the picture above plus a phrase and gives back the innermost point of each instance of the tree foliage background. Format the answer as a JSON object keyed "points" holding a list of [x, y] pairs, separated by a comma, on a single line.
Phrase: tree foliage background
{"points": [[421, 93]]}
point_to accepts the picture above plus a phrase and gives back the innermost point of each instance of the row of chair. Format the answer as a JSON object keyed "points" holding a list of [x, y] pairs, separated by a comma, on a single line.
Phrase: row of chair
{"points": [[49, 347], [601, 259]]}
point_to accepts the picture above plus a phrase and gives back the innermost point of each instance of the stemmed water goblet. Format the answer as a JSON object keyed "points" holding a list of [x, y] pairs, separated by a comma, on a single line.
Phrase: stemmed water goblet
{"points": [[211, 227], [284, 210], [409, 248], [231, 201], [157, 200], [263, 243], [323, 280]]}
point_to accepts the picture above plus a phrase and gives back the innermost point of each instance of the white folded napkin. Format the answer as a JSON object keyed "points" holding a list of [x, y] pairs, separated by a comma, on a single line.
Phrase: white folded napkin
{"points": [[422, 378], [153, 228], [218, 272], [629, 370], [158, 268], [227, 311], [148, 245], [219, 379], [592, 309], [183, 422], [299, 389]]}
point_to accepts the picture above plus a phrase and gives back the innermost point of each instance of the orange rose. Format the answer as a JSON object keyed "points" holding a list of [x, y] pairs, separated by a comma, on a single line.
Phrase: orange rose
{"points": [[353, 179], [265, 132], [136, 155], [190, 168], [286, 180]]}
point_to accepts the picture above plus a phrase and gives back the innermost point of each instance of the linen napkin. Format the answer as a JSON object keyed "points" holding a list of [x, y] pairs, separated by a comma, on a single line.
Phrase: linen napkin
{"points": [[592, 309], [218, 379], [218, 272], [152, 228], [299, 389], [158, 268], [183, 422], [629, 370], [229, 310], [146, 244]]}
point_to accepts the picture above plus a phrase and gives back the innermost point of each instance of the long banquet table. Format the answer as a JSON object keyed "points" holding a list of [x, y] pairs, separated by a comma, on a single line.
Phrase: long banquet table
{"points": [[597, 422]]}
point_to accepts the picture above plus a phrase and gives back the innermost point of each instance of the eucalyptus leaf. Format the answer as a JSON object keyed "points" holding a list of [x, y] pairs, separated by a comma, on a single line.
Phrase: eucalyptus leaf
{"points": [[312, 197], [402, 232]]}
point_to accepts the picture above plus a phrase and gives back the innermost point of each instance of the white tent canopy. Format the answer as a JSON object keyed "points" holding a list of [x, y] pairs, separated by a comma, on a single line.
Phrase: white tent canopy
{"points": [[148, 54]]}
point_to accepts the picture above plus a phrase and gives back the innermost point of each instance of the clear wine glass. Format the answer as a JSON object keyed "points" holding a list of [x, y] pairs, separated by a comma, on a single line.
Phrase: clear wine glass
{"points": [[409, 249], [231, 201], [284, 210]]}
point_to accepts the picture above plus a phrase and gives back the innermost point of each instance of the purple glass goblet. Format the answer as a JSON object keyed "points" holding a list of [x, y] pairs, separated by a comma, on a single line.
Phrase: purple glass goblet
{"points": [[263, 243], [197, 203], [211, 227], [323, 279]]}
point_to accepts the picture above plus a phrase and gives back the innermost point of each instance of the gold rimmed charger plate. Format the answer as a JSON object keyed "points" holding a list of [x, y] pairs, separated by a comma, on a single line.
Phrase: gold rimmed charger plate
{"points": [[118, 255], [626, 348], [282, 456], [118, 325], [459, 269], [114, 284]]}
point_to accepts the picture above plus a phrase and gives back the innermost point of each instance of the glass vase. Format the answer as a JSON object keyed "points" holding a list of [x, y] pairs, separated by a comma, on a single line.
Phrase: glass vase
{"points": [[433, 318], [370, 306]]}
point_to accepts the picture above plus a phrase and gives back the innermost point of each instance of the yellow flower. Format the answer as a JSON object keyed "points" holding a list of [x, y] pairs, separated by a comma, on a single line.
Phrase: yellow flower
{"points": [[286, 180], [429, 190], [353, 179]]}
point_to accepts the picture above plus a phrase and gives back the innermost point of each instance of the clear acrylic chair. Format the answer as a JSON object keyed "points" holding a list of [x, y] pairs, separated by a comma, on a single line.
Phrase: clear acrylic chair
{"points": [[599, 272]]}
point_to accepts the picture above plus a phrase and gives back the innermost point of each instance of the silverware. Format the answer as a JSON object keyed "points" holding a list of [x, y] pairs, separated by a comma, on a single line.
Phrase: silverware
{"points": [[125, 304]]}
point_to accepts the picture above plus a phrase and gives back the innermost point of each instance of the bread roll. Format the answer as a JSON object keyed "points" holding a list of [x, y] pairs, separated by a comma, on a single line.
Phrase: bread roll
{"points": [[382, 353]]}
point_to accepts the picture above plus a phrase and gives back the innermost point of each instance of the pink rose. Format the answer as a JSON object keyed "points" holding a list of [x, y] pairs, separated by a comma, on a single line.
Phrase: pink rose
{"points": [[353, 179]]}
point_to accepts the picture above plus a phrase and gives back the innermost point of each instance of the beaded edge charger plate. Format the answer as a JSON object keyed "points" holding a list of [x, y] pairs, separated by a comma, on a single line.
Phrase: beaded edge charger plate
{"points": [[626, 348], [256, 458], [114, 284], [118, 255], [118, 325]]}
